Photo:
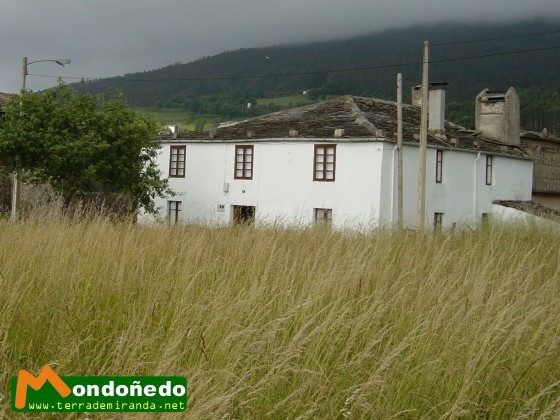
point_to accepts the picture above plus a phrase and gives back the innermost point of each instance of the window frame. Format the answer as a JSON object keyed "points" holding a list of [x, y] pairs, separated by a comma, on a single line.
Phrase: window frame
{"points": [[324, 172], [242, 166], [175, 151], [439, 166], [173, 213], [489, 170], [322, 221]]}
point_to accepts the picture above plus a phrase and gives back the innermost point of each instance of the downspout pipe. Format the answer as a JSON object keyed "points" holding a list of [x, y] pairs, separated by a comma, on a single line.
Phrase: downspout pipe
{"points": [[475, 188], [394, 167]]}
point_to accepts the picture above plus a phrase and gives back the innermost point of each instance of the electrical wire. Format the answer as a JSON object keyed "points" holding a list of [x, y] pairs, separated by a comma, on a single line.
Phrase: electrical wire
{"points": [[306, 73], [494, 39]]}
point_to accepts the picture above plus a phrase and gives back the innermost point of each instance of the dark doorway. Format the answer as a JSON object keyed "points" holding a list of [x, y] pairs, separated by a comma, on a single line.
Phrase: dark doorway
{"points": [[243, 215]]}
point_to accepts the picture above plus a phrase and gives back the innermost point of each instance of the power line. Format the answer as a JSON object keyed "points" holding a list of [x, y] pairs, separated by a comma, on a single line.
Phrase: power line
{"points": [[494, 54], [310, 73], [494, 39]]}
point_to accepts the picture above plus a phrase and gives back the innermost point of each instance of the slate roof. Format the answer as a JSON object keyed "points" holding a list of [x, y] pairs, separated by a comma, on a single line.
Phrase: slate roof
{"points": [[359, 117], [531, 207]]}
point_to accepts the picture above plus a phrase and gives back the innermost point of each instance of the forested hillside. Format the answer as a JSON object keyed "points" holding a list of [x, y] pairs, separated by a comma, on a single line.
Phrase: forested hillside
{"points": [[520, 55]]}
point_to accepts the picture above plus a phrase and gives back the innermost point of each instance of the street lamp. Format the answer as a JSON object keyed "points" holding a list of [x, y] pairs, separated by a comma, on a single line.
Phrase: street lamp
{"points": [[17, 182], [60, 61]]}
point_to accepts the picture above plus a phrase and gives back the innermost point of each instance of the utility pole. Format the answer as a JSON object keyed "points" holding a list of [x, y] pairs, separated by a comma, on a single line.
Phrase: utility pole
{"points": [[400, 199], [16, 185], [421, 215]]}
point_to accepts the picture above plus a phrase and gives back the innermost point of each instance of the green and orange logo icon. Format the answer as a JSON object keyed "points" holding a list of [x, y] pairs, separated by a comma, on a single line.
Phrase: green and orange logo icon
{"points": [[25, 379]]}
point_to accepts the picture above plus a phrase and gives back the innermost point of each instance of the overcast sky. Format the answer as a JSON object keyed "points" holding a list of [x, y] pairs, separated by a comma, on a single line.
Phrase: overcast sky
{"points": [[113, 37]]}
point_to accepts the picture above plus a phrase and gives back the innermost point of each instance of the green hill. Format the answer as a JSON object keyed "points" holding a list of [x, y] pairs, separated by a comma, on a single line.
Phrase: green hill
{"points": [[234, 78]]}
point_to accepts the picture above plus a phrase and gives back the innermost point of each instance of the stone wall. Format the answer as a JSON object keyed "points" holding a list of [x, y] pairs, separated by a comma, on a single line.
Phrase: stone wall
{"points": [[546, 155]]}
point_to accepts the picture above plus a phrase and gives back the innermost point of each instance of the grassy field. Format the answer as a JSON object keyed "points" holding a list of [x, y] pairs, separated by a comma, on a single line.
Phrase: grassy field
{"points": [[281, 324], [170, 116], [286, 101], [173, 116]]}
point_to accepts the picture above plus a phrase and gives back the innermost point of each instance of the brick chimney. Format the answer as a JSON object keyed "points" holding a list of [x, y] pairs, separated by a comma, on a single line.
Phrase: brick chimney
{"points": [[497, 116]]}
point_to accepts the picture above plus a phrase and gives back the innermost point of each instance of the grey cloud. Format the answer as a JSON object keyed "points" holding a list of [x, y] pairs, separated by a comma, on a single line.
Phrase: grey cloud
{"points": [[111, 37]]}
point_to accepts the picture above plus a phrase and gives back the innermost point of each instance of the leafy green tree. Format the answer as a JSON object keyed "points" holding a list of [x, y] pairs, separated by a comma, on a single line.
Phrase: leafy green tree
{"points": [[80, 144], [461, 113]]}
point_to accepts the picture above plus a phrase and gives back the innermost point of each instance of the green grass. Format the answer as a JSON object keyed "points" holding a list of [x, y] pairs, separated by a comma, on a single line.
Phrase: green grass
{"points": [[272, 323], [173, 116], [170, 116], [286, 101], [186, 121]]}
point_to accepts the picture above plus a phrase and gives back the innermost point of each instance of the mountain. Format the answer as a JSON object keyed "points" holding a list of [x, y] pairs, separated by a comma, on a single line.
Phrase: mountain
{"points": [[278, 70]]}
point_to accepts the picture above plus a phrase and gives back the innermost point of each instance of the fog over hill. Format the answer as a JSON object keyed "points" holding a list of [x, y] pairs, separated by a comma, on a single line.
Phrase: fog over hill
{"points": [[108, 37], [520, 55]]}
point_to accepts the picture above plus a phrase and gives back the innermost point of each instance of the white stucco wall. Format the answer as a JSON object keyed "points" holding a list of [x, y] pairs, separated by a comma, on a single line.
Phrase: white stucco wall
{"points": [[463, 195], [363, 195], [282, 188]]}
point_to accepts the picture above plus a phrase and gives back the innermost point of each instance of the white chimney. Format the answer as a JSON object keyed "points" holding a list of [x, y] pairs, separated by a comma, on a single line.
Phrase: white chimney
{"points": [[436, 113], [436, 106]]}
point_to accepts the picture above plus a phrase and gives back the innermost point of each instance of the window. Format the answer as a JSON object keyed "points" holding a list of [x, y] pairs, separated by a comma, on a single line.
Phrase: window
{"points": [[243, 162], [438, 220], [243, 215], [439, 166], [489, 170], [323, 217], [173, 211], [177, 162], [324, 162]]}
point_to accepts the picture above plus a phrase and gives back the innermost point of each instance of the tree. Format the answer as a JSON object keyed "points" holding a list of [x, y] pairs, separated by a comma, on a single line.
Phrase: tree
{"points": [[80, 144]]}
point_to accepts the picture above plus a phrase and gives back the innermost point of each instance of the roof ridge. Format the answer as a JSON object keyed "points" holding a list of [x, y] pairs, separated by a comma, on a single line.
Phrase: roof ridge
{"points": [[361, 118]]}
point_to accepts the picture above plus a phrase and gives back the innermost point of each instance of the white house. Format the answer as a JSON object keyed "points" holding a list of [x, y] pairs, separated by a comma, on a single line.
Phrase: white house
{"points": [[334, 163]]}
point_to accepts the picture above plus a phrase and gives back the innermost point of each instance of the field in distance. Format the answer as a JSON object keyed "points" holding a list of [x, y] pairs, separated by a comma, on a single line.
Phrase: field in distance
{"points": [[188, 120], [170, 116], [286, 101]]}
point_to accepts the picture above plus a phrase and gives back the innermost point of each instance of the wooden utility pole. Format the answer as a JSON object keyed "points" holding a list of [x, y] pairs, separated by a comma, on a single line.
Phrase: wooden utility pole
{"points": [[16, 183], [421, 215], [400, 198]]}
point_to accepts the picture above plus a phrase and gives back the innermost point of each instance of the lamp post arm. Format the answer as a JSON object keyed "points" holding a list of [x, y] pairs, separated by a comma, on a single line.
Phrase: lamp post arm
{"points": [[60, 61]]}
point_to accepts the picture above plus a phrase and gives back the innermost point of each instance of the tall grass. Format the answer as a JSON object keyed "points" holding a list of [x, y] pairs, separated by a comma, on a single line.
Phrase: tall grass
{"points": [[291, 323]]}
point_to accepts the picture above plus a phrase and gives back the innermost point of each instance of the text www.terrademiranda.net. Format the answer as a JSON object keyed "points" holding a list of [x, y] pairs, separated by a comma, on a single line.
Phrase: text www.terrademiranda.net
{"points": [[117, 406]]}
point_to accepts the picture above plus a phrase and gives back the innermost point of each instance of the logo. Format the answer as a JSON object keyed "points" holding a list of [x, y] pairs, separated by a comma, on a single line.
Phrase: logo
{"points": [[26, 379], [52, 393]]}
